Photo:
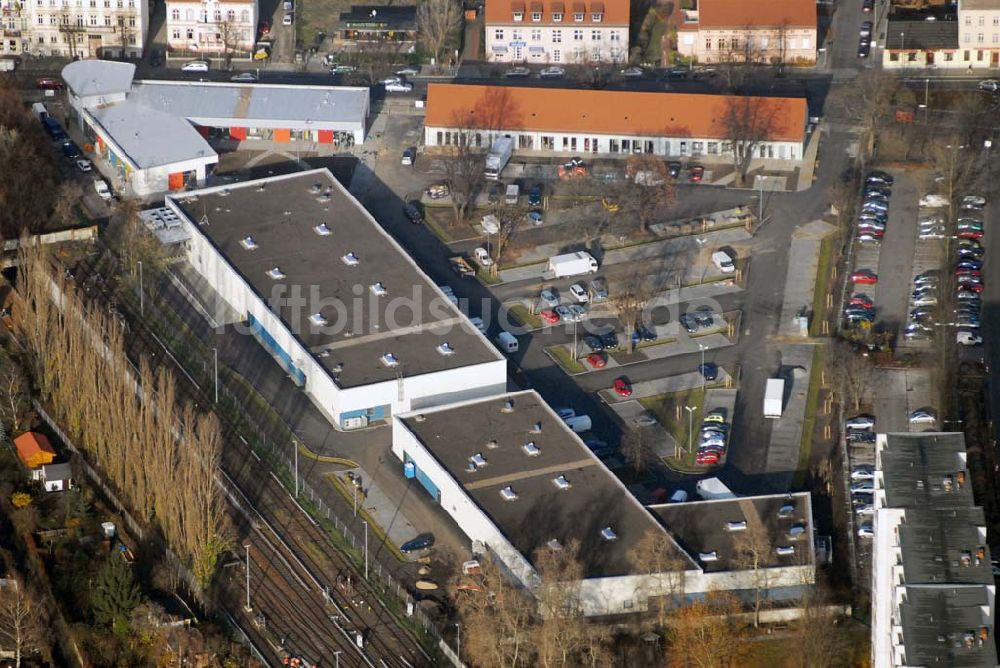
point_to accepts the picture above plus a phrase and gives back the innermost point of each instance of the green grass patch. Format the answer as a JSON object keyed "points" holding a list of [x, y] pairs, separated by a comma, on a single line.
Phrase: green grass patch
{"points": [[436, 228], [564, 359], [809, 423], [524, 317], [375, 527], [822, 285], [664, 407]]}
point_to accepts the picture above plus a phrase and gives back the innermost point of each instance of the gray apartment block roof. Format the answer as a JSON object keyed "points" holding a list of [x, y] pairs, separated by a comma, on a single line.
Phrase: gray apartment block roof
{"points": [[280, 214], [921, 35], [942, 626], [594, 500], [61, 471], [925, 469], [151, 138], [257, 105], [703, 527], [945, 545], [87, 78]]}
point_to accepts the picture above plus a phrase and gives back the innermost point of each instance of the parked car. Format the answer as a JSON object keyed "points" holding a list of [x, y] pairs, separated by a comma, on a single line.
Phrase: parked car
{"points": [[864, 276], [195, 66], [563, 313], [974, 200], [609, 340], [642, 333], [49, 83], [697, 173], [421, 542], [622, 387], [549, 316], [287, 19], [989, 85], [535, 196], [244, 77], [866, 29], [709, 371], [593, 342], [860, 422], [861, 299], [398, 87], [861, 437], [863, 486], [864, 46], [84, 165], [409, 157], [866, 530], [633, 72], [103, 191], [517, 73], [879, 177], [674, 169], [414, 211], [548, 297], [553, 72], [922, 416], [859, 473], [408, 71], [597, 360], [598, 289], [933, 201]]}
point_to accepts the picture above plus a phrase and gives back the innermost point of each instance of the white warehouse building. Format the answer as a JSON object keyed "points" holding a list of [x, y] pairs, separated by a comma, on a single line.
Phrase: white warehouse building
{"points": [[516, 479], [336, 301]]}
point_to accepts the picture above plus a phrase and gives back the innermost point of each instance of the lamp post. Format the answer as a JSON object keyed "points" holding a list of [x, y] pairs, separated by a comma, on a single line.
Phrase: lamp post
{"points": [[366, 548], [336, 658], [142, 301], [295, 447], [701, 347], [247, 547], [215, 367], [760, 204], [458, 643], [690, 410]]}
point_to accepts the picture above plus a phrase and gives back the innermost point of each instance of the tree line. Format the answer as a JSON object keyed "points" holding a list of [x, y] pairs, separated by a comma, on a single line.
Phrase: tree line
{"points": [[158, 453]]}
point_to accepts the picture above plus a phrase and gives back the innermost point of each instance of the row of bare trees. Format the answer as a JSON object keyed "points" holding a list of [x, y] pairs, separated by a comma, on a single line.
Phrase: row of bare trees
{"points": [[158, 453]]}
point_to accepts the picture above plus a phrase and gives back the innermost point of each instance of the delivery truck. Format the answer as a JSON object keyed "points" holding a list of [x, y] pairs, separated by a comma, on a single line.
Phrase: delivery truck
{"points": [[774, 397], [498, 157], [571, 264]]}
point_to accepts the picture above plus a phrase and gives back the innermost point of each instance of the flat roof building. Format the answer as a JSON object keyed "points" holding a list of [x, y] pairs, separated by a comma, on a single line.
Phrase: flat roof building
{"points": [[606, 123], [517, 480], [338, 303], [933, 592], [154, 134]]}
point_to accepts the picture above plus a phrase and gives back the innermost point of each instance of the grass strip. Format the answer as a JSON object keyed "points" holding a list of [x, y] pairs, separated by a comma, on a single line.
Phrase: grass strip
{"points": [[564, 358], [809, 421]]}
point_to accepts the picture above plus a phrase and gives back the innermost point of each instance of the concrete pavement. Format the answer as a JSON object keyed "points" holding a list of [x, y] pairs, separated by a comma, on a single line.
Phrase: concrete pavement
{"points": [[800, 281]]}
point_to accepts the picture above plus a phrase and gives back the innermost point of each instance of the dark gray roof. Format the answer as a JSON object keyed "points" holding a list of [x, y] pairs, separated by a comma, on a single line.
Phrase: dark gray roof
{"points": [[596, 498], [945, 546], [280, 214], [926, 469], [61, 471], [703, 526], [942, 625], [921, 35]]}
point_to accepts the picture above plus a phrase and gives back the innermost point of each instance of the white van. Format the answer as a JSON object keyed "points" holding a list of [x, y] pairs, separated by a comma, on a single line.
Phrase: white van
{"points": [[723, 262], [579, 423], [39, 111], [513, 192], [506, 342]]}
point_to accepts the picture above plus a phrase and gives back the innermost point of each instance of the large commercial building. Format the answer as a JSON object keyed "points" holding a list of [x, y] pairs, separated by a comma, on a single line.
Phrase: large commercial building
{"points": [[337, 302], [104, 29], [606, 123], [554, 31], [933, 592], [516, 480], [213, 28], [154, 133], [763, 31]]}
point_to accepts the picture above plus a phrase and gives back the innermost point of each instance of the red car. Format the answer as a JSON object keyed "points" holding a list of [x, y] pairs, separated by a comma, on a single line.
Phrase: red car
{"points": [[622, 387], [970, 234], [47, 83], [865, 276], [549, 316], [968, 272], [861, 300], [970, 287], [597, 360], [265, 27], [697, 173], [707, 458]]}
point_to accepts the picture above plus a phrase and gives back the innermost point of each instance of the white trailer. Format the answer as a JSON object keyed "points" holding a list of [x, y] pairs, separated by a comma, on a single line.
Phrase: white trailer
{"points": [[571, 264], [774, 397], [498, 157]]}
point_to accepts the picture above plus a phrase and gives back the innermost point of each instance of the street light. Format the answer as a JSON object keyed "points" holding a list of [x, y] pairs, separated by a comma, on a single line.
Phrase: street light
{"points": [[458, 643], [702, 348], [215, 367], [142, 311], [366, 548], [760, 204], [690, 410], [248, 608]]}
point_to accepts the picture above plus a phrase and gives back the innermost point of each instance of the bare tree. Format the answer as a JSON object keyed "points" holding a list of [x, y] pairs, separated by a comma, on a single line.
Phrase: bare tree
{"points": [[71, 29], [23, 620], [853, 373], [648, 190], [631, 298], [753, 549], [953, 164], [497, 621], [637, 450], [747, 123], [232, 35], [561, 630], [708, 634], [511, 218], [15, 390], [438, 22], [868, 103], [657, 557]]}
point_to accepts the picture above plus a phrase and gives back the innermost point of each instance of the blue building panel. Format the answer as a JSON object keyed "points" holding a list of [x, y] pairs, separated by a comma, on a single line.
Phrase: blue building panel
{"points": [[268, 341], [410, 470], [373, 413]]}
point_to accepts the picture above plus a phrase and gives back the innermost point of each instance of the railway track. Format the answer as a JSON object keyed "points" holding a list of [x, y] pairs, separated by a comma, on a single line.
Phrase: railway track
{"points": [[298, 563]]}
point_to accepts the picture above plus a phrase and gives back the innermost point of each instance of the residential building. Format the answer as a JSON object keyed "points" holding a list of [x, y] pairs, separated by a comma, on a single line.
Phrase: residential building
{"points": [[762, 31], [917, 44], [516, 480], [605, 123], [933, 592], [979, 32], [370, 23], [556, 31], [297, 262], [34, 449], [85, 28], [213, 28], [154, 134], [54, 477]]}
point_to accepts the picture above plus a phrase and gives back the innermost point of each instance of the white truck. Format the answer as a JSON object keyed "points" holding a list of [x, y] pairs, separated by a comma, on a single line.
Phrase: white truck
{"points": [[498, 157], [7, 64], [571, 264], [774, 396]]}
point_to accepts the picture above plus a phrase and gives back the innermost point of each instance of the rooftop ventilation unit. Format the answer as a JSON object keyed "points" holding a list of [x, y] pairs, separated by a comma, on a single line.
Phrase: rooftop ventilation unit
{"points": [[478, 460], [390, 360], [561, 482], [706, 557], [492, 444], [248, 243], [420, 417], [508, 406], [262, 187], [508, 493], [948, 483], [287, 212], [786, 510], [338, 367], [608, 534], [785, 550], [553, 544], [531, 449], [797, 530], [736, 526], [446, 349], [536, 428], [350, 259], [322, 230], [379, 290], [276, 273], [316, 188], [317, 319], [225, 192]]}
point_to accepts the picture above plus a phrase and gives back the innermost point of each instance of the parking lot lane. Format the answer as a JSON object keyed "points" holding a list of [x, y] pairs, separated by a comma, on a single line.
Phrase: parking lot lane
{"points": [[895, 263]]}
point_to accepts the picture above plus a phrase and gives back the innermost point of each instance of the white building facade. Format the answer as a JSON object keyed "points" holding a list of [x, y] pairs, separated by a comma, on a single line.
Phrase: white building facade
{"points": [[75, 28], [213, 28], [557, 32]]}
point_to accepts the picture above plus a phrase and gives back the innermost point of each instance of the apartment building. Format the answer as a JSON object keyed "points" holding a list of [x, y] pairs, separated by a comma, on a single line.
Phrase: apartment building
{"points": [[75, 28], [223, 27], [765, 31], [979, 32], [554, 31]]}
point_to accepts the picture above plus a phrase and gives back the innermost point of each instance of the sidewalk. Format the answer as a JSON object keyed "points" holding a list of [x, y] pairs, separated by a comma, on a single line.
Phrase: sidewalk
{"points": [[786, 431], [800, 281]]}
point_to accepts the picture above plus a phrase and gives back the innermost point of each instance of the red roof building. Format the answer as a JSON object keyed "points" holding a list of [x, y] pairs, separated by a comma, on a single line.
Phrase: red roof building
{"points": [[34, 449], [762, 31]]}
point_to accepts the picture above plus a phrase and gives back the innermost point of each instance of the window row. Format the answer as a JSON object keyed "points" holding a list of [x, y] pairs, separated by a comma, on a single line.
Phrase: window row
{"points": [[537, 35], [736, 43], [190, 16], [106, 4], [557, 17], [80, 21], [980, 38], [237, 37], [982, 21], [55, 39]]}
